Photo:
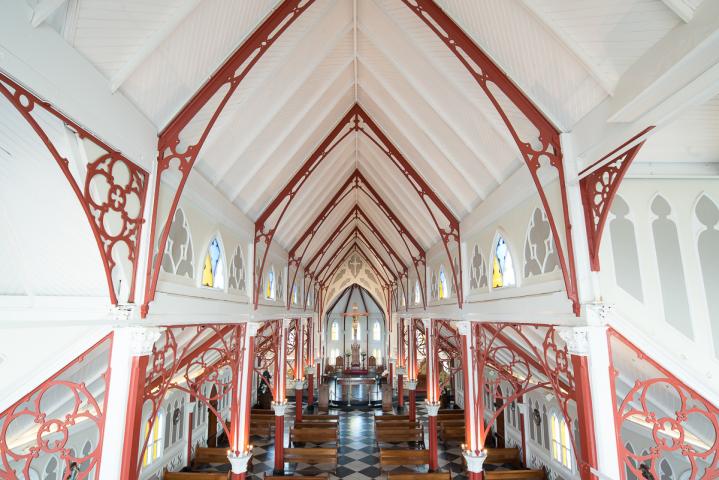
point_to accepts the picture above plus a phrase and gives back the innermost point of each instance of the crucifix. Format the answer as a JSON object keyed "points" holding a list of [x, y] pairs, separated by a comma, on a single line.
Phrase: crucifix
{"points": [[355, 314]]}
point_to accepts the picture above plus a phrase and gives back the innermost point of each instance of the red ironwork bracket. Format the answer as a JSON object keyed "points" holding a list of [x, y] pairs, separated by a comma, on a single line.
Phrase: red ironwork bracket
{"points": [[599, 187], [487, 74], [323, 278], [670, 430], [106, 197], [224, 82], [34, 411]]}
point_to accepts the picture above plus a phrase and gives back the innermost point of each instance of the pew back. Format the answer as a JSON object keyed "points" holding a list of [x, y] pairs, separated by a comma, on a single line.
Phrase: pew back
{"points": [[403, 457], [514, 475]]}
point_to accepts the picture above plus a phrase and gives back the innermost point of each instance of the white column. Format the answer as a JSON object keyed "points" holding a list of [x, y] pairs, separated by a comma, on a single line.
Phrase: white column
{"points": [[465, 330], [127, 342], [602, 394]]}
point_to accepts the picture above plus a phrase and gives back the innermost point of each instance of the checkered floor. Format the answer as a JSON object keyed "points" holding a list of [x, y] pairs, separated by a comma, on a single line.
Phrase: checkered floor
{"points": [[359, 456]]}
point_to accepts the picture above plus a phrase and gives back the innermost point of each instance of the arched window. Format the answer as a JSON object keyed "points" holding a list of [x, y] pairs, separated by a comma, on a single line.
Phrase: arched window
{"points": [[377, 354], [561, 444], [154, 443], [502, 266], [335, 331], [270, 284], [665, 470], [417, 293], [310, 298], [213, 271], [443, 286], [51, 469], [376, 331], [628, 472], [295, 295]]}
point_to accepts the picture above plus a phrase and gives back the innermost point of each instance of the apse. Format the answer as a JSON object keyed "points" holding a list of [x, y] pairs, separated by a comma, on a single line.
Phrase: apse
{"points": [[355, 318]]}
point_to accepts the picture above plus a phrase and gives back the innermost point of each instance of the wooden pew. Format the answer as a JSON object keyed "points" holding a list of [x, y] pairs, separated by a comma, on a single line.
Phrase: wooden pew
{"points": [[451, 421], [514, 475], [451, 433], [205, 455], [313, 418], [195, 476], [501, 456], [450, 415], [313, 435], [420, 476], [399, 435], [384, 418], [394, 456], [303, 425], [296, 477], [401, 424], [312, 456], [450, 410]]}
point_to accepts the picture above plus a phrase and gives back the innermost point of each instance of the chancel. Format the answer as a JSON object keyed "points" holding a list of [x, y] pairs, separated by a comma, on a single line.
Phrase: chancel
{"points": [[361, 239]]}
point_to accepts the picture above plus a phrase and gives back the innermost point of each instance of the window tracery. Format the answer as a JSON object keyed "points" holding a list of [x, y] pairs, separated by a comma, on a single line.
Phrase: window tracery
{"points": [[236, 277], [213, 271], [502, 265], [177, 258], [540, 256]]}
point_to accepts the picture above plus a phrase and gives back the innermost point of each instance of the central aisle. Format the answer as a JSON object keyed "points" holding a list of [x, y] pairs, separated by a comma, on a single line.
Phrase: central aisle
{"points": [[358, 452]]}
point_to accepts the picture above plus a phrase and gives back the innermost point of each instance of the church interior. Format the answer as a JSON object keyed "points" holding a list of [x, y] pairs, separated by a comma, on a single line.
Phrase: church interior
{"points": [[359, 239]]}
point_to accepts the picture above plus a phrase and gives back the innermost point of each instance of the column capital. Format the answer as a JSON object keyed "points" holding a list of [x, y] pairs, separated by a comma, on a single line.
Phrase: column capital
{"points": [[464, 327], [279, 408], [142, 339], [400, 371], [432, 408], [239, 461], [427, 322], [475, 462], [124, 314], [576, 339], [299, 384], [252, 328], [411, 384], [309, 370]]}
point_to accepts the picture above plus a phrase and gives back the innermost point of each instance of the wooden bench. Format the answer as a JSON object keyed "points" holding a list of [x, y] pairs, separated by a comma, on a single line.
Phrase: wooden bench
{"points": [[195, 476], [450, 416], [402, 424], [311, 456], [313, 418], [394, 456], [451, 421], [420, 476], [205, 455], [502, 456], [384, 418], [313, 435], [514, 474], [328, 425], [399, 435], [451, 410], [451, 433]]}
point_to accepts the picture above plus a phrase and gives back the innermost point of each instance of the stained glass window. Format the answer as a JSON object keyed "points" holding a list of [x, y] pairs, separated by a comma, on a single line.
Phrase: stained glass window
{"points": [[270, 285], [154, 443], [417, 293], [295, 295], [502, 266], [561, 446], [443, 288], [376, 331], [213, 271], [335, 331]]}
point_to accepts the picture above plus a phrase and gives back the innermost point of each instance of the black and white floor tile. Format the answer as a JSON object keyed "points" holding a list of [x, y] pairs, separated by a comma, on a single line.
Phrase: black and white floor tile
{"points": [[358, 452]]}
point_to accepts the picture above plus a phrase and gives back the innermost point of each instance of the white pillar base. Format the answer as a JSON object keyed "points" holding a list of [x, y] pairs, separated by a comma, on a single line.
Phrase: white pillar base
{"points": [[411, 384], [432, 408], [279, 408]]}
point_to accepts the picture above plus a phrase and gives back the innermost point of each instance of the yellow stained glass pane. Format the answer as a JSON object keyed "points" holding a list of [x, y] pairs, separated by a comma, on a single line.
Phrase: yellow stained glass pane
{"points": [[497, 277], [207, 278]]}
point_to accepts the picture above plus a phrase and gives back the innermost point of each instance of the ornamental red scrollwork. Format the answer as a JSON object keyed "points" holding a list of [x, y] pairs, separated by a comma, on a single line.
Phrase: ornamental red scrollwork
{"points": [[448, 352], [599, 184], [267, 345], [681, 427], [189, 359], [528, 358], [113, 191], [509, 102], [48, 421]]}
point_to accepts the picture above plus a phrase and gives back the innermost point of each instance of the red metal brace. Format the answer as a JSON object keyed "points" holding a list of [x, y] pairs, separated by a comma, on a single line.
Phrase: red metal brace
{"points": [[487, 75], [104, 174], [599, 184], [225, 81]]}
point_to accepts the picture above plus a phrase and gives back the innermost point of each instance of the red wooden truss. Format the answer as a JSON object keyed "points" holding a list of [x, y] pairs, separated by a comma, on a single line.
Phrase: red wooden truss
{"points": [[196, 360], [510, 102], [177, 154], [525, 358], [34, 428], [112, 192], [356, 120], [267, 353], [599, 184], [447, 352], [680, 423]]}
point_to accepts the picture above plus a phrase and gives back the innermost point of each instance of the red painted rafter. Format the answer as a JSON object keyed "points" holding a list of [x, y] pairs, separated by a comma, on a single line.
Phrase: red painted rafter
{"points": [[355, 181], [599, 184], [357, 120], [101, 210], [356, 213], [172, 153], [488, 75]]}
